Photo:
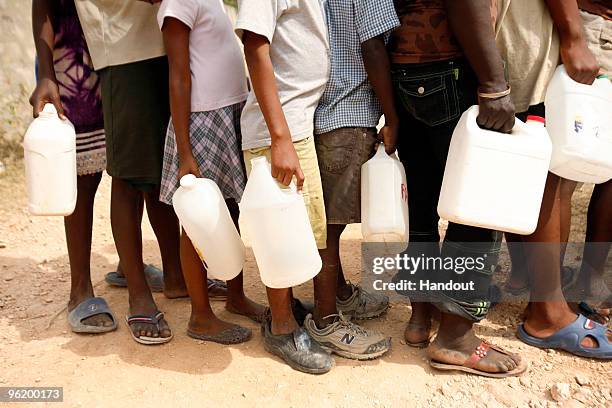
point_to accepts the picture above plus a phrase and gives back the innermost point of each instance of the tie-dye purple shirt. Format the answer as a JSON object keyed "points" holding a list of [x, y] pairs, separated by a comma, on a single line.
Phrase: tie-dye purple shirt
{"points": [[79, 85]]}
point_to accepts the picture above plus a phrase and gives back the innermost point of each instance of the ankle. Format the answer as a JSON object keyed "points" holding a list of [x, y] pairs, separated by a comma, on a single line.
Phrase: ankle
{"points": [[283, 327], [344, 291]]}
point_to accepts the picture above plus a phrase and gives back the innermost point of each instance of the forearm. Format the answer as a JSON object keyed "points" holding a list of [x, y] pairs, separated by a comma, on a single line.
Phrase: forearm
{"points": [[471, 24], [44, 37], [378, 67], [567, 19], [257, 53], [180, 108], [176, 41]]}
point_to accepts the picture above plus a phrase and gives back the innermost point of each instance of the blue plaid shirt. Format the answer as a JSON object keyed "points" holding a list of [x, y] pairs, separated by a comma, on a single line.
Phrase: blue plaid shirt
{"points": [[348, 100]]}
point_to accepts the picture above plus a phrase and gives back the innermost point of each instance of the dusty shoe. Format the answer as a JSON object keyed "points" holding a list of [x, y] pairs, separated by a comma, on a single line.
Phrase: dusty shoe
{"points": [[363, 305], [348, 340], [298, 350]]}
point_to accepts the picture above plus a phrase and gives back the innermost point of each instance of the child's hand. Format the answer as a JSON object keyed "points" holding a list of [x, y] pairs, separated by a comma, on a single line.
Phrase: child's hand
{"points": [[188, 165], [388, 135], [285, 163], [46, 91]]}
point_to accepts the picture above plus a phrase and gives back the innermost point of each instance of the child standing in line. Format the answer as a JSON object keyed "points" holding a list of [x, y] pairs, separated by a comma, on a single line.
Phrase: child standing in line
{"points": [[67, 80], [287, 52], [358, 91], [207, 93]]}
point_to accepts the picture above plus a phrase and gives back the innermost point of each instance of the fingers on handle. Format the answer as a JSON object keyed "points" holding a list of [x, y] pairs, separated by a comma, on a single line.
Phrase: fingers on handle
{"points": [[299, 174]]}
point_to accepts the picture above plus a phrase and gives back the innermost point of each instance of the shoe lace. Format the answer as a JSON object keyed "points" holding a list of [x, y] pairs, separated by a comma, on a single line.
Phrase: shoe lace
{"points": [[347, 324]]}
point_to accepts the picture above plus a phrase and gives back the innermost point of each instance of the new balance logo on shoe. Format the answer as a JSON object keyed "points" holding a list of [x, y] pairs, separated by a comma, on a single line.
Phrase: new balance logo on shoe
{"points": [[347, 338]]}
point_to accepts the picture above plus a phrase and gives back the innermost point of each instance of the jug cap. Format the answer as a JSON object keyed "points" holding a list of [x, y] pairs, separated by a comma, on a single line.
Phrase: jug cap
{"points": [[535, 118], [188, 181], [48, 110]]}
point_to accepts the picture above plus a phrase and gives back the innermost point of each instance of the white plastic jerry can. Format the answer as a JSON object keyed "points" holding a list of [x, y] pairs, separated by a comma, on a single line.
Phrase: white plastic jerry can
{"points": [[201, 208], [279, 231], [579, 121], [496, 180], [384, 199], [50, 161]]}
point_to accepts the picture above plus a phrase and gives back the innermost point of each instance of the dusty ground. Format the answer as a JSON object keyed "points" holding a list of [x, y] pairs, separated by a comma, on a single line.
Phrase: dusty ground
{"points": [[38, 349]]}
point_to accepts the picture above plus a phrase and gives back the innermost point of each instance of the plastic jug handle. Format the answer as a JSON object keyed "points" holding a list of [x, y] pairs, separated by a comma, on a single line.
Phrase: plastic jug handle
{"points": [[188, 181]]}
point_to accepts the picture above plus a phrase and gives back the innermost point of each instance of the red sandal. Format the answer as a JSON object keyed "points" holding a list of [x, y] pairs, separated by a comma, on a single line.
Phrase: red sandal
{"points": [[479, 353]]}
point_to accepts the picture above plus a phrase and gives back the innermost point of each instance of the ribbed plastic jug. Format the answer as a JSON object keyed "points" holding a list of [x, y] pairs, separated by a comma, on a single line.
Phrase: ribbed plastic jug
{"points": [[495, 180], [50, 162], [201, 208], [384, 199], [279, 231], [579, 121]]}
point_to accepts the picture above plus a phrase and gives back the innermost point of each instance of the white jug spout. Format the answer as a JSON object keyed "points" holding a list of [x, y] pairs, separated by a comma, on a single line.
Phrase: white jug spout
{"points": [[188, 181]]}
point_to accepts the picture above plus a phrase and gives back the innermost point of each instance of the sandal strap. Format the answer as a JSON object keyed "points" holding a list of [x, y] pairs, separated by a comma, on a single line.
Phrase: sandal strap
{"points": [[479, 353], [153, 319]]}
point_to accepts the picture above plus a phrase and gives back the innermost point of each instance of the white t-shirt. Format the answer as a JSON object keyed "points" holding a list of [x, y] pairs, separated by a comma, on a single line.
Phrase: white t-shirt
{"points": [[218, 76], [120, 32], [299, 50]]}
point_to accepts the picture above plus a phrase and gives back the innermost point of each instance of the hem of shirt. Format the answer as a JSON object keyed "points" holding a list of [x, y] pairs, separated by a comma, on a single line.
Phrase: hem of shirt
{"points": [[171, 13], [207, 107], [110, 62], [267, 142], [320, 131], [382, 30], [242, 26]]}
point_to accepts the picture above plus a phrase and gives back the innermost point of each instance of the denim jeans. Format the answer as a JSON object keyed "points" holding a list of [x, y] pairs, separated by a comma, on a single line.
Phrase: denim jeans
{"points": [[430, 99]]}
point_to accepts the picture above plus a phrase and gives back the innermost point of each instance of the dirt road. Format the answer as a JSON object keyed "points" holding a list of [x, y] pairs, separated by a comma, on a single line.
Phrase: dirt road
{"points": [[38, 349]]}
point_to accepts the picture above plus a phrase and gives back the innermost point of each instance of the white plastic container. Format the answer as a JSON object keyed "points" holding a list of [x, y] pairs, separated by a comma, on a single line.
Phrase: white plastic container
{"points": [[50, 161], [495, 180], [384, 199], [579, 121], [277, 224], [201, 208]]}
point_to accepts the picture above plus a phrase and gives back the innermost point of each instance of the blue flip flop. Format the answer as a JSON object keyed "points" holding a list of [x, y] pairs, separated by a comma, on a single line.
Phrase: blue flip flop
{"points": [[154, 276], [569, 339], [88, 308]]}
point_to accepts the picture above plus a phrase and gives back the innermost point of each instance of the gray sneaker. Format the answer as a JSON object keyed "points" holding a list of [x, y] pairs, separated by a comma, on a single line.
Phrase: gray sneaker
{"points": [[348, 340], [363, 305]]}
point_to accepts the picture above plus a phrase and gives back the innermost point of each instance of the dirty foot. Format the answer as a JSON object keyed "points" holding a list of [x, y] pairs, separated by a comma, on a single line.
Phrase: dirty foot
{"points": [[244, 306]]}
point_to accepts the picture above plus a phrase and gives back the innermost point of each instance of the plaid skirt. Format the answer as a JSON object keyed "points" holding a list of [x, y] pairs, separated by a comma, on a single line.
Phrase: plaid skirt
{"points": [[215, 142]]}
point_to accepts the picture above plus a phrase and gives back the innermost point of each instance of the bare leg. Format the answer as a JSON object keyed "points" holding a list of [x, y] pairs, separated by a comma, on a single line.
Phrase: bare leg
{"points": [[78, 228], [125, 222], [280, 301], [597, 246], [203, 319], [237, 301], [548, 309], [326, 282], [166, 227]]}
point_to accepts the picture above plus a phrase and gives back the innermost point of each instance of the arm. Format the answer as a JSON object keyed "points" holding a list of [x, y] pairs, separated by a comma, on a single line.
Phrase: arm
{"points": [[378, 67], [579, 62], [46, 90], [176, 41], [285, 163], [471, 23]]}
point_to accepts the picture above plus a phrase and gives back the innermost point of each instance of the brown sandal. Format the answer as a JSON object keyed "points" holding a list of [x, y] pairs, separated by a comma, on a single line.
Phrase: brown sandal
{"points": [[479, 353]]}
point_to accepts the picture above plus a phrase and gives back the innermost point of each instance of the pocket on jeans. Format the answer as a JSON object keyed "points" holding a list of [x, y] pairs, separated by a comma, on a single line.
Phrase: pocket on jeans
{"points": [[432, 99], [335, 150]]}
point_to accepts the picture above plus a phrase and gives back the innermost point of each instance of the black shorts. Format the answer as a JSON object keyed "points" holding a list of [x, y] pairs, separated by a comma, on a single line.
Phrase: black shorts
{"points": [[136, 104]]}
